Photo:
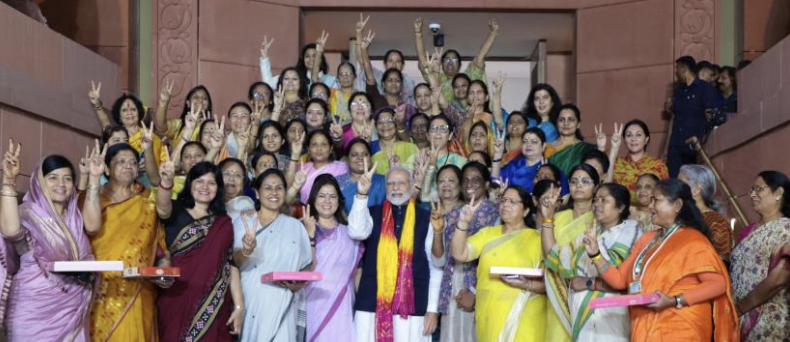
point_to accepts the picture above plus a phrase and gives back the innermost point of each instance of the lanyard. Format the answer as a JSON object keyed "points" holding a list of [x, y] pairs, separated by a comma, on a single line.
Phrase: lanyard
{"points": [[639, 269]]}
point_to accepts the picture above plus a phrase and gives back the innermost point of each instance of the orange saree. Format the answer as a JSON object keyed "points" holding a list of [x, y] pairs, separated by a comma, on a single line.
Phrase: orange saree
{"points": [[673, 270]]}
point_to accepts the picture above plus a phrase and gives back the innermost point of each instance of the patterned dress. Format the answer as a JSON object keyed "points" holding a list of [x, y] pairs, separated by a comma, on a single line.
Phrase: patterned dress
{"points": [[627, 171], [750, 266]]}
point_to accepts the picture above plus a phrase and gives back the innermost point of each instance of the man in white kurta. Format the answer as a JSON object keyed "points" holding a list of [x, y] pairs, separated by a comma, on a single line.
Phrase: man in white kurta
{"points": [[427, 274]]}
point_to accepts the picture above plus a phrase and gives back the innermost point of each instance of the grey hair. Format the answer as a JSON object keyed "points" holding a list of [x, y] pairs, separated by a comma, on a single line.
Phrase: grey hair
{"points": [[400, 168], [701, 175]]}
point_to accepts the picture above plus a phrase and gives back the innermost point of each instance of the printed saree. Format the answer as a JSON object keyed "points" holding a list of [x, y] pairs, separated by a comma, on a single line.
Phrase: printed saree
{"points": [[124, 309], [198, 304]]}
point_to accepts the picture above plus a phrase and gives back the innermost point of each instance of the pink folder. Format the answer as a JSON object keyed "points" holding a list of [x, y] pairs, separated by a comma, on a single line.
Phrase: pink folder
{"points": [[627, 300], [292, 276], [87, 266]]}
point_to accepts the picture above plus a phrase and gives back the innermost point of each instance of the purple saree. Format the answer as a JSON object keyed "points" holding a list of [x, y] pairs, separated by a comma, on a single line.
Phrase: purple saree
{"points": [[42, 305]]}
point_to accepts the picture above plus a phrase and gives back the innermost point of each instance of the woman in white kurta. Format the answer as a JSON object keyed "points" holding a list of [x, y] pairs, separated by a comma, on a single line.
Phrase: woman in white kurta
{"points": [[616, 236], [270, 242]]}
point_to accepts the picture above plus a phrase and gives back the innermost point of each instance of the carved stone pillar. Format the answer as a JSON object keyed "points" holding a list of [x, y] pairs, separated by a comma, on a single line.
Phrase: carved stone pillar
{"points": [[176, 49], [696, 29]]}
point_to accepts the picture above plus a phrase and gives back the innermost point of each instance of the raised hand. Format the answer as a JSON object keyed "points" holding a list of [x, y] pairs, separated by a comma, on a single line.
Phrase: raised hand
{"points": [[84, 161], [96, 164], [147, 135], [11, 163], [297, 145], [503, 184], [320, 43], [95, 94], [279, 100], [367, 40], [191, 119], [243, 138], [418, 25], [493, 26], [468, 211], [265, 46], [257, 112], [335, 128], [437, 217], [167, 170], [366, 179], [499, 144], [361, 23], [617, 136], [600, 137], [498, 83], [248, 241], [433, 156], [308, 220], [591, 239], [218, 136], [367, 131], [300, 178], [392, 157], [549, 202], [474, 107], [166, 92]]}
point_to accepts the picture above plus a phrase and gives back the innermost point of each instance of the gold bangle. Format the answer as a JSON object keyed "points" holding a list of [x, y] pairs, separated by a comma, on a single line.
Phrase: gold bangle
{"points": [[547, 221], [9, 193], [596, 257]]}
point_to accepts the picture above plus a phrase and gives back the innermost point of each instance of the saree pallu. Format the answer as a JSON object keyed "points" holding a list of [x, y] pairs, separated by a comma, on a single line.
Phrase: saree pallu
{"points": [[611, 324], [673, 270], [330, 302], [125, 309], [627, 171], [751, 262], [519, 173], [568, 157], [43, 305], [504, 313], [335, 168], [558, 317], [197, 306], [136, 141]]}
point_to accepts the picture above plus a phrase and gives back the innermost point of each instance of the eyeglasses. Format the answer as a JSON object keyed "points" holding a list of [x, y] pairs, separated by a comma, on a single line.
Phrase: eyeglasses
{"points": [[232, 175], [345, 74], [315, 112], [266, 166], [450, 60], [362, 104], [510, 201], [757, 189], [259, 95], [582, 181], [440, 129]]}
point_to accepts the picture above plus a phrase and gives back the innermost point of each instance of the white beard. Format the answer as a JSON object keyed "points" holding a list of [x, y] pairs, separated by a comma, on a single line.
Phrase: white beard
{"points": [[399, 200]]}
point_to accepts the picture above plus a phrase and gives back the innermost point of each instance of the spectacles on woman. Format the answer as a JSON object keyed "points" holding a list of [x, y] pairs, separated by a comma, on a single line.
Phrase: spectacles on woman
{"points": [[440, 129]]}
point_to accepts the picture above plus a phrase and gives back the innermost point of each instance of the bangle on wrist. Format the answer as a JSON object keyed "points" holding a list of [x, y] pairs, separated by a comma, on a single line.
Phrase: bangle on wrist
{"points": [[9, 193], [595, 257], [497, 160], [164, 187], [547, 221]]}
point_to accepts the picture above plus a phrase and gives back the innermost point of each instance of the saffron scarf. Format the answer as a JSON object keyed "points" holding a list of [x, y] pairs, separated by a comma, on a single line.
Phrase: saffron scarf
{"points": [[395, 286]]}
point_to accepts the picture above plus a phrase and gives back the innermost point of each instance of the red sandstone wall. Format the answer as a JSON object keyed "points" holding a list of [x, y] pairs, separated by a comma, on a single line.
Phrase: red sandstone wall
{"points": [[105, 26], [765, 23], [44, 81], [759, 137]]}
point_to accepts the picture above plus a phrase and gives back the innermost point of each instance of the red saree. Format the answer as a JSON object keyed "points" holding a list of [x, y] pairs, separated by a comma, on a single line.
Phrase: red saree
{"points": [[198, 304]]}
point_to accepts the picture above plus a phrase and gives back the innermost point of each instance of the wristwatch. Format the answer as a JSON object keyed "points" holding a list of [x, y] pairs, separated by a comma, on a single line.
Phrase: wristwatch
{"points": [[678, 303], [590, 283]]}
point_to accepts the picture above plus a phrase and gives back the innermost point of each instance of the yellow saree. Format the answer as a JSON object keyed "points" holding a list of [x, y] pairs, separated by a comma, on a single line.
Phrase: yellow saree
{"points": [[504, 313], [558, 316], [124, 309]]}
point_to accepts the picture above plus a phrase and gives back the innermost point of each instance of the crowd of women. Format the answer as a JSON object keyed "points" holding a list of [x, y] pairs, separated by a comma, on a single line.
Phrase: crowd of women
{"points": [[281, 181]]}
